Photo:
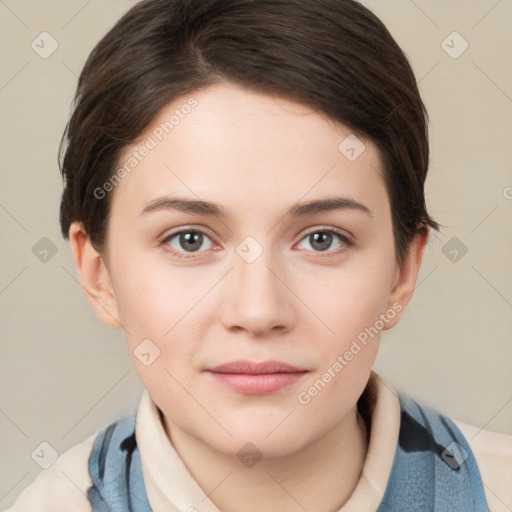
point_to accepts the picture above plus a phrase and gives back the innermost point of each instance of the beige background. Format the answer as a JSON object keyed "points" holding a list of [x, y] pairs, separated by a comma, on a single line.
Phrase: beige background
{"points": [[64, 375]]}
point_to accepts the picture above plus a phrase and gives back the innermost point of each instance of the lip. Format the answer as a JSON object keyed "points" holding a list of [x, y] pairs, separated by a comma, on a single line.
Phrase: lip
{"points": [[253, 378], [250, 368]]}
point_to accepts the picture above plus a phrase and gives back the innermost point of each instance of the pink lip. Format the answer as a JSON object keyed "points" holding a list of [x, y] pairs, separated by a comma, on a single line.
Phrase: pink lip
{"points": [[256, 378]]}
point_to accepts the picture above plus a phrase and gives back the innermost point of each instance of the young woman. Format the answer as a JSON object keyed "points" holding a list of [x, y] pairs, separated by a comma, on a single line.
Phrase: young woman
{"points": [[244, 196]]}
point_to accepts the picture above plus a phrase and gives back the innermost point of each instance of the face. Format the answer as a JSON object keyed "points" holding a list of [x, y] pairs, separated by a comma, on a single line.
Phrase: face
{"points": [[247, 234]]}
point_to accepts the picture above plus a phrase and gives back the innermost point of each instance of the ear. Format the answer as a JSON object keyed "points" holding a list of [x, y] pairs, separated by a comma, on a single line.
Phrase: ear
{"points": [[404, 279], [94, 276]]}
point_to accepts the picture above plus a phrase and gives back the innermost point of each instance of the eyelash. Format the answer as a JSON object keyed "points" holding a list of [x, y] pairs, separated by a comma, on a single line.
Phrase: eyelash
{"points": [[346, 241]]}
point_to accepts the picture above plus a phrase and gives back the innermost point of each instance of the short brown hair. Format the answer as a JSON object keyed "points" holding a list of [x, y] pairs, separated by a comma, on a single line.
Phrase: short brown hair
{"points": [[334, 56]]}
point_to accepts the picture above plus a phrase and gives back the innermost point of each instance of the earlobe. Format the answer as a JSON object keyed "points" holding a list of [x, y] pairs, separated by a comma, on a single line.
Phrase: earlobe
{"points": [[94, 276], [406, 275]]}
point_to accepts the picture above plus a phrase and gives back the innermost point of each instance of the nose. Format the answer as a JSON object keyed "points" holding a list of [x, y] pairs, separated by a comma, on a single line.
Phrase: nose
{"points": [[258, 298]]}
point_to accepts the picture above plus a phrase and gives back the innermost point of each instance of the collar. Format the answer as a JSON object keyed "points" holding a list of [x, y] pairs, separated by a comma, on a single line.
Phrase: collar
{"points": [[171, 487]]}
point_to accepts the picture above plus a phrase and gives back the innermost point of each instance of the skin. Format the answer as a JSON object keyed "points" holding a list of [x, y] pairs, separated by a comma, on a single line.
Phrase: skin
{"points": [[257, 156]]}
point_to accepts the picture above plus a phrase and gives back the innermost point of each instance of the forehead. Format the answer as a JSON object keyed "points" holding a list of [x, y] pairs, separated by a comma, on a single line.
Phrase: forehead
{"points": [[247, 150]]}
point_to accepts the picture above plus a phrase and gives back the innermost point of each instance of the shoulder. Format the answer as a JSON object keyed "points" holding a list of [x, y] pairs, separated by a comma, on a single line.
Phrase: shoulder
{"points": [[485, 453], [434, 467], [62, 487], [493, 454]]}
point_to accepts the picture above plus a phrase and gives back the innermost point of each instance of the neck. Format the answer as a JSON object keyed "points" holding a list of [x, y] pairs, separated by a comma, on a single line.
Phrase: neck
{"points": [[320, 476]]}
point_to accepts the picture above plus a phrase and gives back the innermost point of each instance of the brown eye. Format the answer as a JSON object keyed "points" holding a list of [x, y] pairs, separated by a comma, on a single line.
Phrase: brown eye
{"points": [[323, 239], [187, 241], [190, 240]]}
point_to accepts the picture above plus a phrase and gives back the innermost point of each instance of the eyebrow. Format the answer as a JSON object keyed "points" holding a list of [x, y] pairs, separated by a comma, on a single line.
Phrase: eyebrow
{"points": [[213, 209]]}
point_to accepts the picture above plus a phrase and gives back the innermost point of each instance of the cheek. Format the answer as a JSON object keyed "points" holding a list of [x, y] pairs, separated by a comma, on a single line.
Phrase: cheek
{"points": [[352, 299], [148, 297], [346, 356], [349, 351], [143, 306], [156, 309]]}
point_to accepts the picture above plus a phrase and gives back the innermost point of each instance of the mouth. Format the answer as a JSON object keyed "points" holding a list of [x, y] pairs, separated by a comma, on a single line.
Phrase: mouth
{"points": [[251, 378]]}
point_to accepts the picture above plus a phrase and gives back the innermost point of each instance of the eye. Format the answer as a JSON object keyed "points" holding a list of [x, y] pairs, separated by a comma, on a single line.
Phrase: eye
{"points": [[322, 239], [186, 241], [189, 241]]}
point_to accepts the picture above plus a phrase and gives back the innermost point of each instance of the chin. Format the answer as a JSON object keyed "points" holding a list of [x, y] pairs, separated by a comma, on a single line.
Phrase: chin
{"points": [[255, 438]]}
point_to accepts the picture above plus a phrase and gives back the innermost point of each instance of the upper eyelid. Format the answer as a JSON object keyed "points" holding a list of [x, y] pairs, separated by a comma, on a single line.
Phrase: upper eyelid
{"points": [[307, 232], [338, 231], [185, 230]]}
